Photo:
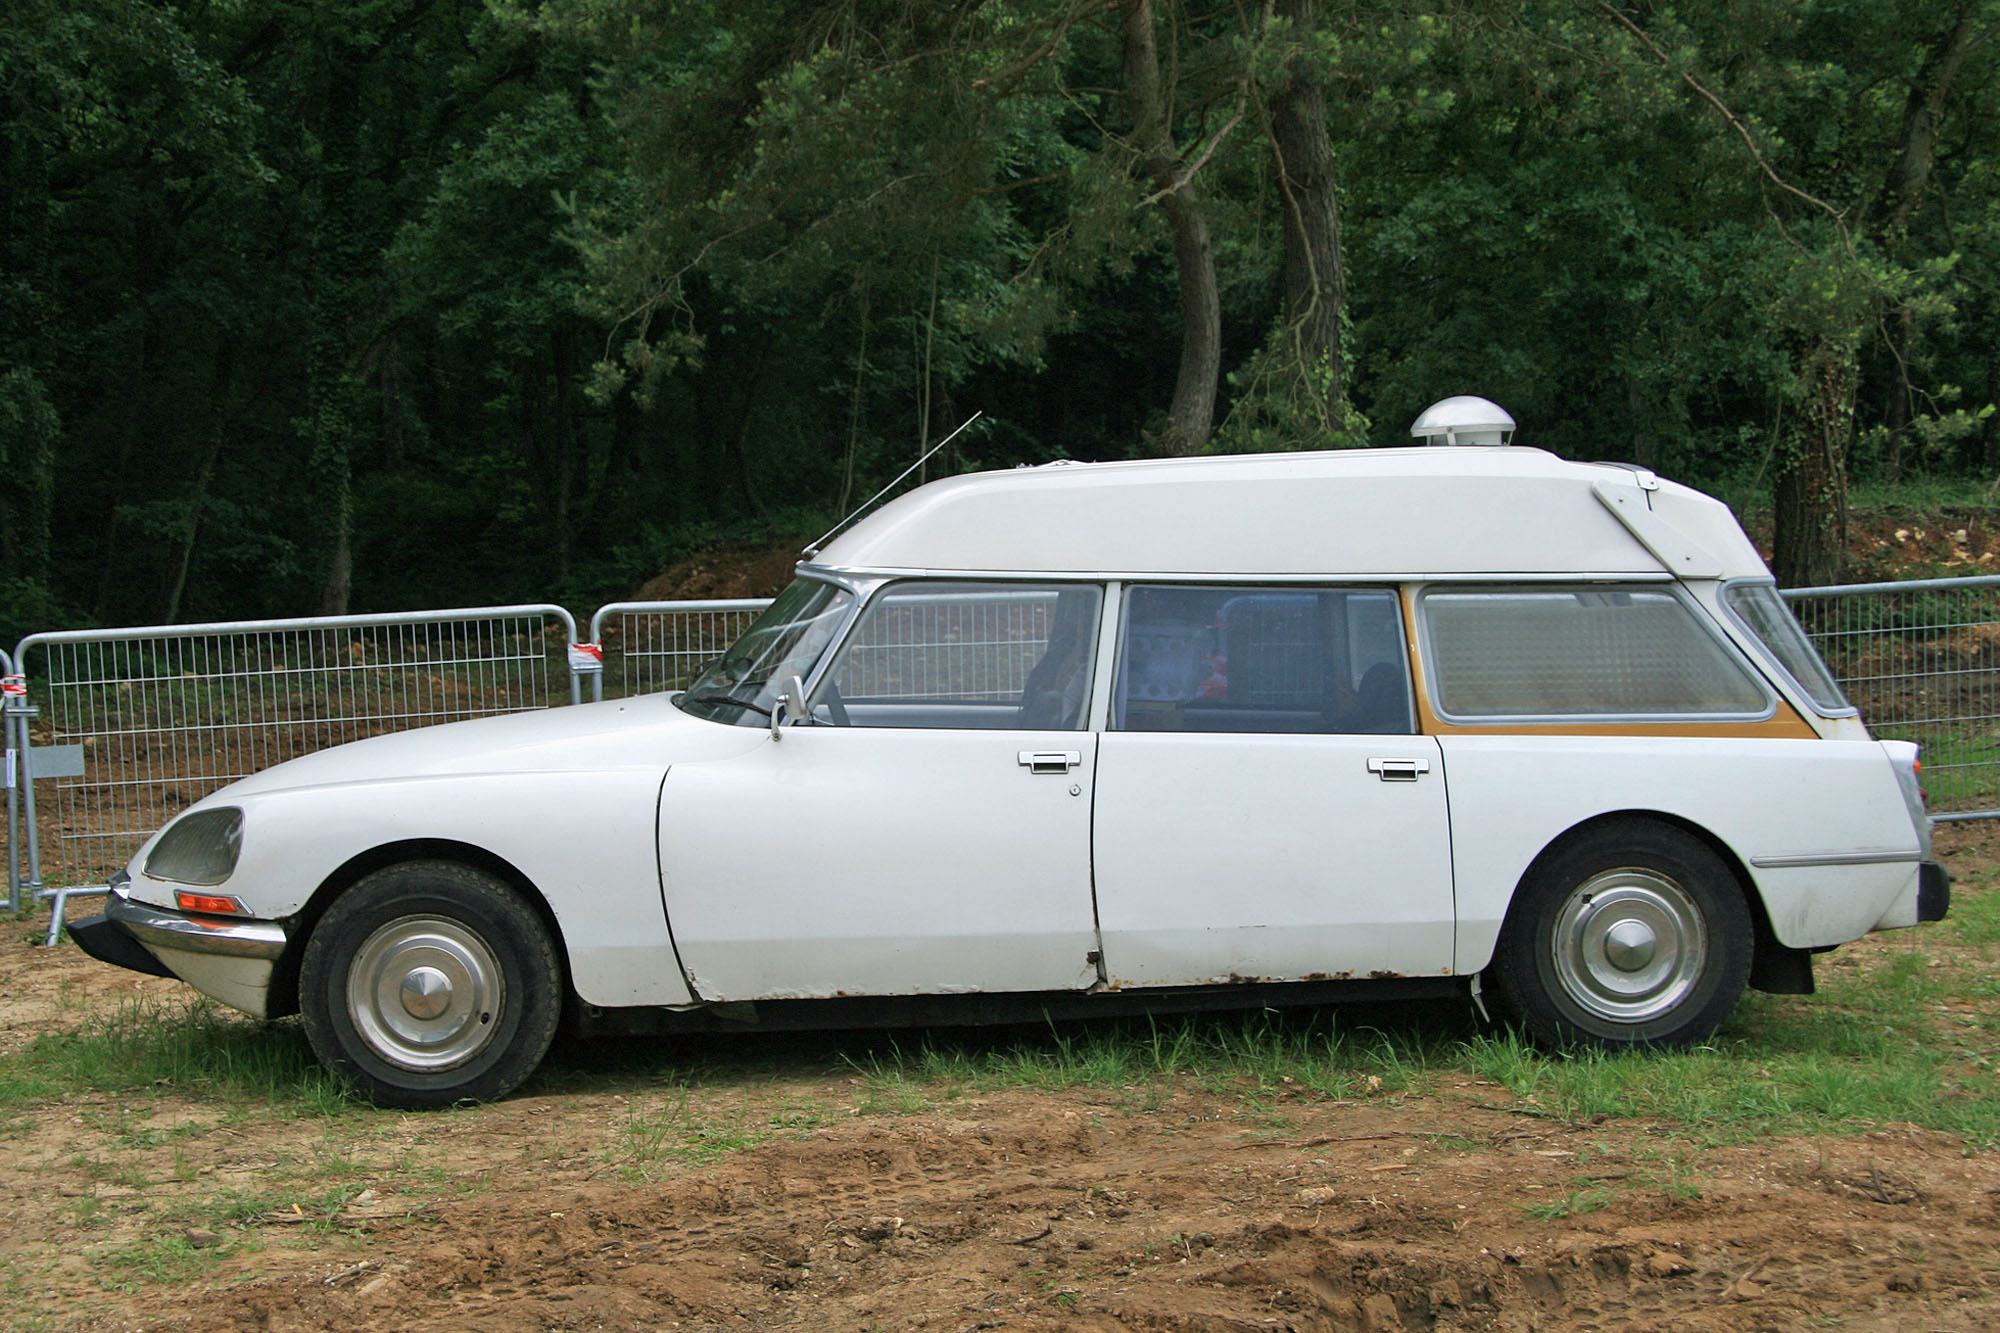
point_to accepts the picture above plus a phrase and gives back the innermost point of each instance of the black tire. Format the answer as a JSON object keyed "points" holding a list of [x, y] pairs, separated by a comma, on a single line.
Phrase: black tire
{"points": [[1632, 934], [430, 983]]}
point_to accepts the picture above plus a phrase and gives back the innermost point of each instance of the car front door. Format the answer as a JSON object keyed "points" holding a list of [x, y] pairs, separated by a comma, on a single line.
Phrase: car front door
{"points": [[927, 832], [1265, 809]]}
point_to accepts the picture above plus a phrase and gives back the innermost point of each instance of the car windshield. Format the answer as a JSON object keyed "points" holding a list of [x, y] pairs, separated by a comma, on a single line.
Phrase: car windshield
{"points": [[741, 686]]}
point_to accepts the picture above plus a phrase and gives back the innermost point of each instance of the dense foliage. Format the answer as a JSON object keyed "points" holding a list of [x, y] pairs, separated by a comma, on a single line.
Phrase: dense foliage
{"points": [[315, 305]]}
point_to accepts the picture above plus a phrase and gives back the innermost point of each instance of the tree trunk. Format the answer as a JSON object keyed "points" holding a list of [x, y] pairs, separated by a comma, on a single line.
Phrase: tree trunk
{"points": [[1810, 485], [27, 460], [1315, 282], [1810, 490], [170, 599], [547, 469], [1909, 176], [336, 381], [136, 414], [740, 437], [1901, 325], [854, 416], [571, 467], [390, 385], [1989, 430], [1192, 412], [1644, 442], [333, 464]]}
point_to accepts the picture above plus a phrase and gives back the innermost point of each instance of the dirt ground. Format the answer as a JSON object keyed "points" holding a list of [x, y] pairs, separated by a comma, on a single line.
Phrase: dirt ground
{"points": [[655, 1186], [687, 1186]]}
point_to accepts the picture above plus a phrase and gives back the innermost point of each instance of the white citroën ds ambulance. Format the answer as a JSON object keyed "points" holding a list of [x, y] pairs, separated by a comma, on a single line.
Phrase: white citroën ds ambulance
{"points": [[1085, 738]]}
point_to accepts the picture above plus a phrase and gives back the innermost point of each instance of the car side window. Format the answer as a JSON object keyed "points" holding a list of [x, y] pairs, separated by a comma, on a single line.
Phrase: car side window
{"points": [[1567, 652], [1263, 659], [963, 655]]}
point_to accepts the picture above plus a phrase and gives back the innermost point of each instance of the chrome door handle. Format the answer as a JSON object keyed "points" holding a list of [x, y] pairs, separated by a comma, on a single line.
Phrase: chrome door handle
{"points": [[1057, 762], [1398, 770]]}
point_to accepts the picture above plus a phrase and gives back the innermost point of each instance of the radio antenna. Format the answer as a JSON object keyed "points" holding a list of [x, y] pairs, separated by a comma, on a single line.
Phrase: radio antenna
{"points": [[842, 526]]}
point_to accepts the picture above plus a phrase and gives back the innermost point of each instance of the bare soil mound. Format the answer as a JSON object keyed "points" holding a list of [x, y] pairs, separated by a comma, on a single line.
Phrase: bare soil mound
{"points": [[738, 569]]}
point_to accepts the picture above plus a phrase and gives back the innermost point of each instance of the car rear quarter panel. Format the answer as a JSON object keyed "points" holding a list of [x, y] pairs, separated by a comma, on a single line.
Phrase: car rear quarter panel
{"points": [[1763, 799]]}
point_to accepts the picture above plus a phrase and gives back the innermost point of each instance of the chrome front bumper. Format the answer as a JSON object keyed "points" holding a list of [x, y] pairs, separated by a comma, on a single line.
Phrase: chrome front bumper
{"points": [[225, 959]]}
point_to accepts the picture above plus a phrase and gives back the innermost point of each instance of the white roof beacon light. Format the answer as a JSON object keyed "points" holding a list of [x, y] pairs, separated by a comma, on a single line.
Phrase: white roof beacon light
{"points": [[1466, 421]]}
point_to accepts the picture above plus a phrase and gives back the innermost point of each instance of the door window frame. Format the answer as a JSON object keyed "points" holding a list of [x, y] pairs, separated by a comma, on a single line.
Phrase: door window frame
{"points": [[1116, 622]]}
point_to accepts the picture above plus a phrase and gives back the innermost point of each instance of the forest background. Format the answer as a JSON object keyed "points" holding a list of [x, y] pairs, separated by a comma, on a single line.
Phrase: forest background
{"points": [[330, 305]]}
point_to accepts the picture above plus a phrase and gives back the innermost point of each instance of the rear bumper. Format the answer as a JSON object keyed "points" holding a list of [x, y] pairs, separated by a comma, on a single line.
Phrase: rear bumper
{"points": [[1933, 892], [227, 960], [1926, 896]]}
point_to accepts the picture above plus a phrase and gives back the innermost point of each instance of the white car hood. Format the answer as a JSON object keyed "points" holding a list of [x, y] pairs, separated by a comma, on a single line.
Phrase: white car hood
{"points": [[645, 732]]}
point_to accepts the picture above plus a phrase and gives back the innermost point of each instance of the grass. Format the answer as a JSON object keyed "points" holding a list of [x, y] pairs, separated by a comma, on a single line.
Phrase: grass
{"points": [[1864, 1051], [145, 1044], [1907, 1035], [1922, 494], [160, 1259], [1975, 918], [1230, 1055], [1581, 1198], [676, 1133]]}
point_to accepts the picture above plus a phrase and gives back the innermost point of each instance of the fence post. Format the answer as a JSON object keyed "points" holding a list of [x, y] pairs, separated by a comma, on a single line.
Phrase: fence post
{"points": [[14, 774], [741, 609]]}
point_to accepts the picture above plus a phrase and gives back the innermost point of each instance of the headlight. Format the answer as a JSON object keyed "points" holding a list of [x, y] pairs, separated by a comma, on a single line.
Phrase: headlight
{"points": [[200, 849]]}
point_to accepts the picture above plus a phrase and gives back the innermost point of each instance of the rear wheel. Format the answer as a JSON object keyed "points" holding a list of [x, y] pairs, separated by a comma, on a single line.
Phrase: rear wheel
{"points": [[430, 983], [1634, 934]]}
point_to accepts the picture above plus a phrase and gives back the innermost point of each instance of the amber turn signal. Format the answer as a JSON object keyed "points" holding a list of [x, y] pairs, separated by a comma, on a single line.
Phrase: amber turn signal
{"points": [[214, 904]]}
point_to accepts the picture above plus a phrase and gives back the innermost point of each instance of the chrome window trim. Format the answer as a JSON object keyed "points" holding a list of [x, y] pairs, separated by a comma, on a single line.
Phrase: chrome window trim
{"points": [[867, 589], [1698, 613], [861, 588], [1118, 617], [1764, 655]]}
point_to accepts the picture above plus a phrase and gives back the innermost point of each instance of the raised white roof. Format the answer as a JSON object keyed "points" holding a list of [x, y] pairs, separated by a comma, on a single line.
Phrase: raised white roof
{"points": [[1348, 513]]}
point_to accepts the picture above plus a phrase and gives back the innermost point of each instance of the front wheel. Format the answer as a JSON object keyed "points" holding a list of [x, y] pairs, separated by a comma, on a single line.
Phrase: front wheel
{"points": [[430, 983], [1634, 934]]}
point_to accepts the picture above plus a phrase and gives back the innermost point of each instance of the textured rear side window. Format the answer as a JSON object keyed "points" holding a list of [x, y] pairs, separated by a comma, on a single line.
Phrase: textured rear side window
{"points": [[1581, 652]]}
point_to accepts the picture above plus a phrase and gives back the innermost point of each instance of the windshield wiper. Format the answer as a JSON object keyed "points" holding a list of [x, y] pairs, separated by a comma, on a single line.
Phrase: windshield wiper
{"points": [[723, 697]]}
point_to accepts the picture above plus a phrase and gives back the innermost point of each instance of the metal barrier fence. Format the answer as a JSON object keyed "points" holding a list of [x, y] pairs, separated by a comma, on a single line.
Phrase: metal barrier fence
{"points": [[949, 646], [138, 724], [651, 646], [1921, 660], [13, 774], [131, 726]]}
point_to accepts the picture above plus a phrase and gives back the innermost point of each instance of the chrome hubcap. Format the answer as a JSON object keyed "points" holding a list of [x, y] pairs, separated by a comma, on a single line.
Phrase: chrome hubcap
{"points": [[424, 993], [1629, 945]]}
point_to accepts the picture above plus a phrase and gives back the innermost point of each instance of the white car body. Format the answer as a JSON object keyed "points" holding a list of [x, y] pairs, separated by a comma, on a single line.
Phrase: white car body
{"points": [[1139, 847]]}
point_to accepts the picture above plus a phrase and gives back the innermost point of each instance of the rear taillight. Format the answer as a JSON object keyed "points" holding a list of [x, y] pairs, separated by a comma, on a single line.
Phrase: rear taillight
{"points": [[1904, 759]]}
